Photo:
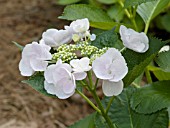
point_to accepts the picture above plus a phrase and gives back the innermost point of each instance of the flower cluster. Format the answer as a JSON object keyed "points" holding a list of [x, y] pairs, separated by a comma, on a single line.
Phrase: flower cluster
{"points": [[69, 62]]}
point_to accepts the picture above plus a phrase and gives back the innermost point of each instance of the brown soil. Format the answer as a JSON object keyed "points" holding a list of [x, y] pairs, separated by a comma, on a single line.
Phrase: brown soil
{"points": [[24, 21]]}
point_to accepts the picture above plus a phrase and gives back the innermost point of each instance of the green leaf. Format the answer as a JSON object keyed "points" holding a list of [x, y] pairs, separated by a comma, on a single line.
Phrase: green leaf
{"points": [[108, 39], [159, 74], [163, 61], [150, 10], [135, 2], [18, 45], [137, 62], [107, 1], [125, 117], [97, 17], [37, 82], [151, 98], [165, 22], [116, 12], [66, 2], [87, 122]]}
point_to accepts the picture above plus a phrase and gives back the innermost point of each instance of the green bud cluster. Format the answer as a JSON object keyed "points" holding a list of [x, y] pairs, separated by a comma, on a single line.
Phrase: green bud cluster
{"points": [[88, 50], [64, 56], [98, 53]]}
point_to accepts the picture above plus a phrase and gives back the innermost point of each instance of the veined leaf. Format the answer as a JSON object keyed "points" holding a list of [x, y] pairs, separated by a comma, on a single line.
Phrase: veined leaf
{"points": [[159, 73], [97, 17], [108, 39], [87, 122], [150, 10], [124, 116], [66, 2], [163, 61], [135, 2], [37, 83], [137, 62], [151, 98]]}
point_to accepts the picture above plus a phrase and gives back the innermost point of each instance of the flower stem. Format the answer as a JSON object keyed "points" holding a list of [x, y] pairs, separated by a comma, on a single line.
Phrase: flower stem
{"points": [[109, 104], [88, 101], [148, 75]]}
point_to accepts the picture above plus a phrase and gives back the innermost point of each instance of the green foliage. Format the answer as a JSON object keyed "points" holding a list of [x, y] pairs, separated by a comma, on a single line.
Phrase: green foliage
{"points": [[151, 98], [159, 73], [18, 45], [107, 1], [150, 10], [163, 61], [108, 39], [165, 22], [65, 2], [125, 117], [37, 83], [135, 2], [87, 122], [97, 17], [137, 62], [116, 12]]}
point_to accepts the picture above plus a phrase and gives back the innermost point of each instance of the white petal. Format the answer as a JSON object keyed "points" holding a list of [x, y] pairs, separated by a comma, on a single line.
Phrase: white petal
{"points": [[38, 65], [48, 74], [79, 75], [100, 67], [92, 37], [25, 68], [112, 88], [50, 88], [84, 63], [165, 48]]}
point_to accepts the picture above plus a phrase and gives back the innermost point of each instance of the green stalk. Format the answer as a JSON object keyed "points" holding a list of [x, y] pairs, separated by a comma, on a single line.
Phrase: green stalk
{"points": [[88, 101], [109, 104], [148, 75]]}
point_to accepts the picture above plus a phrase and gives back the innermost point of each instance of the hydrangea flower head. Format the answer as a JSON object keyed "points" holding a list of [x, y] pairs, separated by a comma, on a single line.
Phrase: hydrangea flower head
{"points": [[34, 58], [59, 81], [133, 40], [112, 68]]}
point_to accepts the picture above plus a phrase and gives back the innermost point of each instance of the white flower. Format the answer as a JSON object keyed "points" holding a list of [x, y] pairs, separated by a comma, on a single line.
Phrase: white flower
{"points": [[34, 58], [80, 67], [92, 37], [133, 40], [80, 25], [55, 38], [112, 68], [165, 48], [59, 81]]}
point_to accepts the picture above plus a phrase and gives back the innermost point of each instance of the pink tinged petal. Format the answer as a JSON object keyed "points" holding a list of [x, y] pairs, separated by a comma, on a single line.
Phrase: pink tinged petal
{"points": [[79, 75], [28, 50], [48, 74], [100, 69], [112, 88], [38, 65], [50, 88], [68, 85], [25, 68]]}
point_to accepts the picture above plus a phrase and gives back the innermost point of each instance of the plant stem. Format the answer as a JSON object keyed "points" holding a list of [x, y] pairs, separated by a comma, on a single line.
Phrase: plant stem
{"points": [[103, 113], [88, 101], [97, 80], [148, 75], [109, 104], [146, 27], [136, 85]]}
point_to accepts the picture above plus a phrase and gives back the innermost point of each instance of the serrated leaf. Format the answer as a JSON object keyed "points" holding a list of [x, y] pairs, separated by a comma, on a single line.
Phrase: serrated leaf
{"points": [[137, 62], [165, 22], [66, 2], [97, 17], [107, 1], [163, 60], [151, 98], [37, 83], [125, 117], [87, 122], [159, 73], [135, 2], [18, 45], [108, 39], [150, 10]]}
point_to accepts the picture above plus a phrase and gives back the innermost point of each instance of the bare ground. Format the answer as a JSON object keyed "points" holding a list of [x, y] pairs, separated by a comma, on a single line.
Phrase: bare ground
{"points": [[24, 21]]}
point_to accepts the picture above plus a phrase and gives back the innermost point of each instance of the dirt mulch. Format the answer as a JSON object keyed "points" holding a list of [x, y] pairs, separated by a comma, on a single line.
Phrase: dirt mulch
{"points": [[24, 21]]}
